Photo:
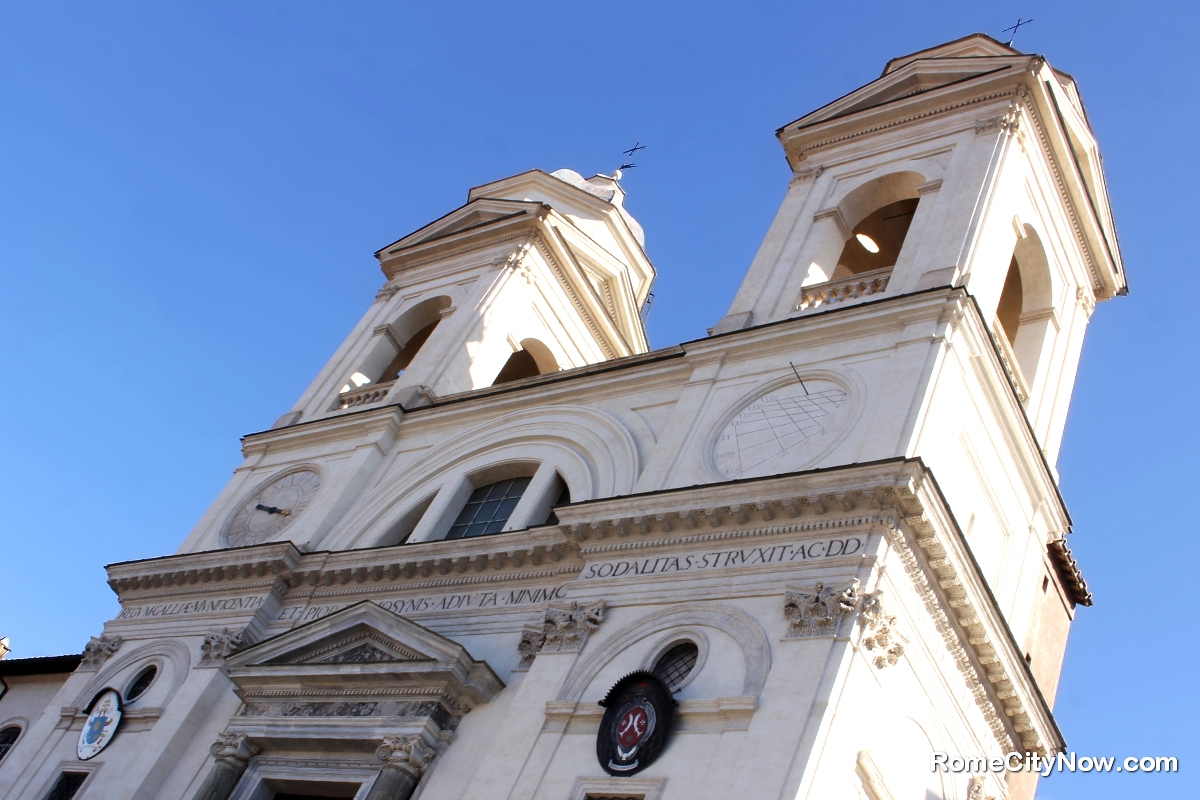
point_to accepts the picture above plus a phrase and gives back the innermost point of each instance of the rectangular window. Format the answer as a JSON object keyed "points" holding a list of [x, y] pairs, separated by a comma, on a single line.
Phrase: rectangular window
{"points": [[66, 786]]}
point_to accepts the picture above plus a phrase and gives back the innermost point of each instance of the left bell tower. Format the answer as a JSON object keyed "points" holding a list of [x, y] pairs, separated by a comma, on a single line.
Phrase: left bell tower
{"points": [[534, 274]]}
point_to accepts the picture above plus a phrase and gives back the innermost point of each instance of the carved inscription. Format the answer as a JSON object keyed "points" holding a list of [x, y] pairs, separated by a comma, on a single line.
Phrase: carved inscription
{"points": [[724, 559], [468, 601], [191, 607]]}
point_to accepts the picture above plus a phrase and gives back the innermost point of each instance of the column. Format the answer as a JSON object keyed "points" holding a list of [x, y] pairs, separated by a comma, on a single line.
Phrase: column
{"points": [[404, 760], [232, 752]]}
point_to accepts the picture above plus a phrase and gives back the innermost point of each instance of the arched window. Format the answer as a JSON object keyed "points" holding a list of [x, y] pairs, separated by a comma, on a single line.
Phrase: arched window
{"points": [[488, 508], [674, 666], [1025, 308], [8, 737], [534, 358], [403, 527], [141, 683]]}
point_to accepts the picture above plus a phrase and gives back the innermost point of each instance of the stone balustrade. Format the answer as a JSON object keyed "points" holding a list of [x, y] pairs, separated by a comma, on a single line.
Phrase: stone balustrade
{"points": [[367, 395], [1009, 359], [840, 290]]}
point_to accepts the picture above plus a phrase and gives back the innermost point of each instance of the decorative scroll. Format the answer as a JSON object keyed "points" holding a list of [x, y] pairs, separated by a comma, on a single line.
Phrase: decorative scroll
{"points": [[879, 632], [406, 753], [99, 650], [818, 611], [216, 647], [564, 629]]}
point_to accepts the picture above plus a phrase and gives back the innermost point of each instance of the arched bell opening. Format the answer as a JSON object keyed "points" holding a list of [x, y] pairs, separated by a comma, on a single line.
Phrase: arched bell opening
{"points": [[533, 359], [875, 243], [391, 353], [407, 353], [1008, 312], [866, 231], [1024, 314]]}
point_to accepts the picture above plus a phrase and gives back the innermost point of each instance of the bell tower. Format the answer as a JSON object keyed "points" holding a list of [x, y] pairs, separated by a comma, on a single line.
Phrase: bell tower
{"points": [[535, 274], [968, 165], [969, 172]]}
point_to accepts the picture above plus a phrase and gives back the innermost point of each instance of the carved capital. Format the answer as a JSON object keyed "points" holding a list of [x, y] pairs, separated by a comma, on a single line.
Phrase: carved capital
{"points": [[975, 789], [387, 292], [216, 647], [809, 172], [516, 258], [1086, 300], [99, 650], [819, 610], [532, 639], [879, 632], [233, 749], [567, 627], [564, 629], [1009, 122], [406, 753]]}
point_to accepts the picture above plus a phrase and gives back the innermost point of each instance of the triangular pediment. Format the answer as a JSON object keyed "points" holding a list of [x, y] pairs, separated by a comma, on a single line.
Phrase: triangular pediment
{"points": [[974, 46], [948, 65], [364, 633], [359, 644], [474, 216], [363, 663]]}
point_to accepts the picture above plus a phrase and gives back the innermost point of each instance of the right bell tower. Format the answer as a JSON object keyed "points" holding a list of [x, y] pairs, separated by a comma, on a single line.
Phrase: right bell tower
{"points": [[964, 185], [969, 165]]}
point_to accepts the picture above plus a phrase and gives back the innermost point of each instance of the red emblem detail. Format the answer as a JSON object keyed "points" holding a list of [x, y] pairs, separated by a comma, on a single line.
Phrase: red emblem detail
{"points": [[632, 727]]}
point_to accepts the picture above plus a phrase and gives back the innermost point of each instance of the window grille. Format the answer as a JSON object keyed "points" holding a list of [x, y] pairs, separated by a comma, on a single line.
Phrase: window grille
{"points": [[488, 508], [67, 785], [141, 684], [8, 737], [676, 664]]}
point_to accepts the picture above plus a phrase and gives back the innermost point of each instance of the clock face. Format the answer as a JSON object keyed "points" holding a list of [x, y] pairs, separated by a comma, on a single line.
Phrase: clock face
{"points": [[784, 430], [272, 507]]}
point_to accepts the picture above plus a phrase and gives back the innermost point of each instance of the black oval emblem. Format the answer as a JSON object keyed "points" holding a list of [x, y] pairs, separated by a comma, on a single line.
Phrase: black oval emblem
{"points": [[637, 721]]}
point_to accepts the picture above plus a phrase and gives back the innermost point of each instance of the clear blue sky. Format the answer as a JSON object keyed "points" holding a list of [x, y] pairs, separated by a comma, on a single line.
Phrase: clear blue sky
{"points": [[190, 194]]}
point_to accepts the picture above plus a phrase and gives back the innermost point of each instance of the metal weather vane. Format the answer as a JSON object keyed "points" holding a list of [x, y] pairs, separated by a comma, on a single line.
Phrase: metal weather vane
{"points": [[1016, 28], [627, 163]]}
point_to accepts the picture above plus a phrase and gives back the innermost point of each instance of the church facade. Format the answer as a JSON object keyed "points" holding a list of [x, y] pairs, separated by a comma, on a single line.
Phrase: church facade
{"points": [[501, 549]]}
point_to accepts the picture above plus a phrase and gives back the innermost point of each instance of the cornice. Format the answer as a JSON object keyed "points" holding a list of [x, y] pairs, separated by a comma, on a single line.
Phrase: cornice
{"points": [[802, 150], [514, 233], [1068, 572], [351, 429], [591, 313], [446, 247], [942, 568], [233, 566]]}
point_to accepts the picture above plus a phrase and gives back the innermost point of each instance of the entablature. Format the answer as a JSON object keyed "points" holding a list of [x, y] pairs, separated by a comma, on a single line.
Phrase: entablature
{"points": [[897, 496]]}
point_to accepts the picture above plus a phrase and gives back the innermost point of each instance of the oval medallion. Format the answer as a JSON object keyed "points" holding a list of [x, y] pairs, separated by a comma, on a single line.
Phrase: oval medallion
{"points": [[100, 725], [784, 430], [637, 721]]}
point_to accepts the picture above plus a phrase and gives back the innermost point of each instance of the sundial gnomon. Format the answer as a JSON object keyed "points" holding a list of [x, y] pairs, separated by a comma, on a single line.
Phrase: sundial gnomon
{"points": [[778, 425]]}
